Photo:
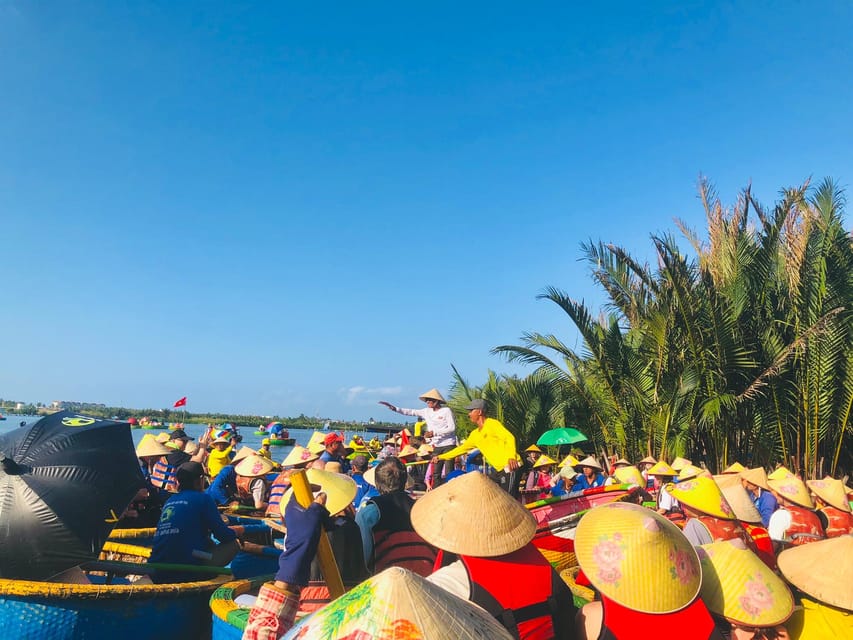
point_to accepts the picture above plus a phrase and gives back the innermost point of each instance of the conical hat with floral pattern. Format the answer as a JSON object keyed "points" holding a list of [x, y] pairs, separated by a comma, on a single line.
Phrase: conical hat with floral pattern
{"points": [[679, 463], [702, 494], [793, 489], [637, 558], [544, 461], [570, 461], [629, 475], [780, 474], [398, 604], [662, 469], [737, 585], [254, 466], [831, 491]]}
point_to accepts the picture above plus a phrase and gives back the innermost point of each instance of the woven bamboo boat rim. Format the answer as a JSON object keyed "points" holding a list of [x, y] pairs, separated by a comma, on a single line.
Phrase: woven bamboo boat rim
{"points": [[222, 601], [61, 590], [127, 549]]}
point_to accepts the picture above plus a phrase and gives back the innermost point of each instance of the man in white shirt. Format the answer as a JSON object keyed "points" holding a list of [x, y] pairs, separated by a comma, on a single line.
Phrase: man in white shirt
{"points": [[440, 428]]}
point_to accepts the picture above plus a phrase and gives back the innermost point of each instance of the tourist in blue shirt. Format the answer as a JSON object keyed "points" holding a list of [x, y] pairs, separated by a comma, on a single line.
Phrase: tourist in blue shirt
{"points": [[223, 489], [186, 523], [359, 466], [590, 475], [755, 482]]}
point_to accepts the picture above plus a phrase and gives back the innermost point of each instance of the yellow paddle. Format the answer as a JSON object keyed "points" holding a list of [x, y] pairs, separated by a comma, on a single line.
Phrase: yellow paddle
{"points": [[325, 555]]}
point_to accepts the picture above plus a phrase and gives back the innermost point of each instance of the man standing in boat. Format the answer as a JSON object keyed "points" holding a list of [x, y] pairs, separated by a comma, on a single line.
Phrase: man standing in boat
{"points": [[496, 444], [440, 428]]}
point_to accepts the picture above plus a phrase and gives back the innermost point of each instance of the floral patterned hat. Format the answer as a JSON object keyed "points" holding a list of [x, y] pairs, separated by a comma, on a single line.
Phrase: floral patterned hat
{"points": [[398, 604], [570, 461], [637, 558], [831, 491], [735, 467], [691, 471], [704, 495], [793, 489], [629, 475], [780, 474], [299, 456], [736, 584], [662, 469], [254, 466]]}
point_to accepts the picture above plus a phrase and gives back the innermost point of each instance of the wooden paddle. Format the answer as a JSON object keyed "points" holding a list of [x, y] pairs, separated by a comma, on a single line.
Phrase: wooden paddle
{"points": [[325, 555]]}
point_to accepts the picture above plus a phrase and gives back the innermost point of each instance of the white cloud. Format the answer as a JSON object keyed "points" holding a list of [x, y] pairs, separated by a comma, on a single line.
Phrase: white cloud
{"points": [[366, 395]]}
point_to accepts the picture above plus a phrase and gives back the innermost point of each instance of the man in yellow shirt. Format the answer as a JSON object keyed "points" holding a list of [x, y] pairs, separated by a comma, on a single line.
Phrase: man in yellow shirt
{"points": [[496, 444]]}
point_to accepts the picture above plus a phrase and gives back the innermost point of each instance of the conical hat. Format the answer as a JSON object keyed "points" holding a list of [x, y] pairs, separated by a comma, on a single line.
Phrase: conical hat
{"points": [[254, 466], [831, 491], [679, 463], [298, 456], [164, 437], [736, 584], [432, 394], [822, 569], [735, 467], [315, 442], [472, 516], [340, 490], [622, 462], [740, 502], [704, 495], [780, 474], [724, 480], [662, 469], [689, 472], [544, 461], [629, 475], [407, 451], [149, 446], [569, 461], [793, 489], [399, 604], [244, 452], [637, 558], [333, 466], [533, 448], [589, 461], [370, 476], [648, 460], [425, 450], [756, 476]]}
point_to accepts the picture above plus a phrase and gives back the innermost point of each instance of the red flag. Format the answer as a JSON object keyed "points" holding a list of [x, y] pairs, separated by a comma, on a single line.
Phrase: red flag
{"points": [[182, 402], [404, 438]]}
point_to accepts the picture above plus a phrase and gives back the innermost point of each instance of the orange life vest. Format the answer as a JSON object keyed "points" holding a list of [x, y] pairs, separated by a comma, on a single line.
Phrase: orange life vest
{"points": [[763, 543], [534, 605], [163, 476], [279, 487], [244, 490], [839, 523], [805, 526]]}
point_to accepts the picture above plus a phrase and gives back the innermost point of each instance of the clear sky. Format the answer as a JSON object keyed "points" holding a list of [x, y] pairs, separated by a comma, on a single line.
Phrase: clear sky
{"points": [[307, 207]]}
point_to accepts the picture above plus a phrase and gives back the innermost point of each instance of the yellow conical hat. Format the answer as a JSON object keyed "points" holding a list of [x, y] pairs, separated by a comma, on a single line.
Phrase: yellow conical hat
{"points": [[340, 490], [662, 469], [315, 442], [740, 502], [544, 461], [629, 475], [401, 605], [533, 448], [637, 558], [298, 456], [149, 446], [254, 466], [736, 584], [735, 467], [704, 495], [691, 471], [569, 461], [822, 569], [780, 474], [793, 489], [831, 491], [443, 517], [756, 476], [164, 437], [679, 463]]}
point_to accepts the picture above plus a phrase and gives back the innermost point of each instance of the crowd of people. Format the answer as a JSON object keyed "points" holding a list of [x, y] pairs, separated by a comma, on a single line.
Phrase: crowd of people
{"points": [[743, 554]]}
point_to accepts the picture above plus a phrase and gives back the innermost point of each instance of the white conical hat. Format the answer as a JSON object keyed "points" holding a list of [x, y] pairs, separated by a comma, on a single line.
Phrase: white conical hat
{"points": [[399, 604], [739, 501], [432, 394], [243, 452], [822, 569], [472, 516]]}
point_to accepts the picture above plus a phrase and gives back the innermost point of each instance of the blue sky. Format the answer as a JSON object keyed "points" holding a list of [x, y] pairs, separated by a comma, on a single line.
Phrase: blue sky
{"points": [[287, 209]]}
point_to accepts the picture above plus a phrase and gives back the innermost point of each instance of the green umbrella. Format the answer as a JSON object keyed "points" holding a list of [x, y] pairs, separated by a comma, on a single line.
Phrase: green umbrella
{"points": [[562, 435]]}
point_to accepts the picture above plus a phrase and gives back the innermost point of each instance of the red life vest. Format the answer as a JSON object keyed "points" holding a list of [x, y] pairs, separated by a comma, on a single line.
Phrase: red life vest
{"points": [[763, 544], [395, 542], [839, 523], [721, 529], [805, 526], [534, 604], [694, 622], [279, 487], [163, 476]]}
